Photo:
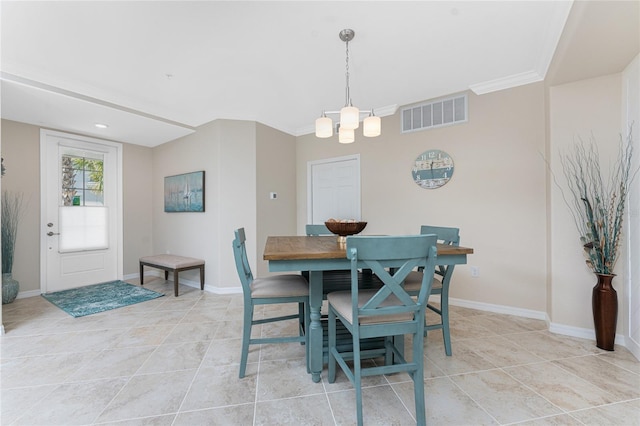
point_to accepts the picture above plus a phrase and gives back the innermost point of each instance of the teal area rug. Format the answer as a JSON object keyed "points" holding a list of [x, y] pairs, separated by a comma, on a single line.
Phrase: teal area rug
{"points": [[92, 299]]}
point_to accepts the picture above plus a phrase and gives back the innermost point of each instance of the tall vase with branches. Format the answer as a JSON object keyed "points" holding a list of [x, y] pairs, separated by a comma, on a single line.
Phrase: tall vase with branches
{"points": [[597, 204], [12, 209]]}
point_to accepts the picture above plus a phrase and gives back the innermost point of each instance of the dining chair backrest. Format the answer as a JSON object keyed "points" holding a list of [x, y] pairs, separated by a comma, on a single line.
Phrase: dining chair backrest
{"points": [[392, 258], [317, 229], [446, 235], [242, 262]]}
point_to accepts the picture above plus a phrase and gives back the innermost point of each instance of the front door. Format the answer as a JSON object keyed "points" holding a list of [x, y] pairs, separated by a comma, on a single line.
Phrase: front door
{"points": [[81, 211]]}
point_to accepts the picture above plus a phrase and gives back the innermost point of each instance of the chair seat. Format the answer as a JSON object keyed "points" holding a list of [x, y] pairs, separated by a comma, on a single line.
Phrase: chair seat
{"points": [[414, 280], [289, 285], [341, 302]]}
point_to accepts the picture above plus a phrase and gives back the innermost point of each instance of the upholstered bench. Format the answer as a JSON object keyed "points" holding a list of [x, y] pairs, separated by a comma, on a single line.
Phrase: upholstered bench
{"points": [[172, 263]]}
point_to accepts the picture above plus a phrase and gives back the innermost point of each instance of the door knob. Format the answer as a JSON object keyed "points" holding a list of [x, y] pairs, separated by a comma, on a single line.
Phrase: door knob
{"points": [[49, 224], [51, 234]]}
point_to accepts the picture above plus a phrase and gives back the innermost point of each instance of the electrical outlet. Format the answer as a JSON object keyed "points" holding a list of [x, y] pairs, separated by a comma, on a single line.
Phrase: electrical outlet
{"points": [[475, 271]]}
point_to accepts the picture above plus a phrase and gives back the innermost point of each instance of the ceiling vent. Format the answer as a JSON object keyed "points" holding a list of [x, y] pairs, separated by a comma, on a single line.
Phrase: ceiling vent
{"points": [[443, 112]]}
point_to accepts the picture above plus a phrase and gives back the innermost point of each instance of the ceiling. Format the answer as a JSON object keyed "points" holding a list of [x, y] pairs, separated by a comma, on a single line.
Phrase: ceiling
{"points": [[154, 71]]}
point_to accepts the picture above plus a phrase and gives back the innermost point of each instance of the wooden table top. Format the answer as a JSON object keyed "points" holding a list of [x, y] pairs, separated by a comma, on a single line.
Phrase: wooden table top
{"points": [[325, 247]]}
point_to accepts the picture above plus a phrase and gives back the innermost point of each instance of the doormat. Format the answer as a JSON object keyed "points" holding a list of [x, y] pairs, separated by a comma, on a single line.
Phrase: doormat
{"points": [[82, 301]]}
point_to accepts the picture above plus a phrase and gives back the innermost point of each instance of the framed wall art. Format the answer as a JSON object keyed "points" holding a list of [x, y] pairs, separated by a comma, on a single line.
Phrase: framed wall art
{"points": [[184, 193], [432, 169]]}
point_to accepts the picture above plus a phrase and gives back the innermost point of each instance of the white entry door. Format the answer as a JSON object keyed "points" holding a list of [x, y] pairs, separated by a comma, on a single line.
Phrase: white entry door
{"points": [[81, 211], [334, 189]]}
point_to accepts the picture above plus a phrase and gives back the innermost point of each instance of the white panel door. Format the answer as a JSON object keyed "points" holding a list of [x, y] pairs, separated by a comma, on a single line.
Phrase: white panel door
{"points": [[333, 189], [81, 211]]}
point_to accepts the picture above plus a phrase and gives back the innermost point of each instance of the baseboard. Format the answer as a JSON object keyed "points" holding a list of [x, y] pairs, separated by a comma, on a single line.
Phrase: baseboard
{"points": [[499, 309], [30, 293]]}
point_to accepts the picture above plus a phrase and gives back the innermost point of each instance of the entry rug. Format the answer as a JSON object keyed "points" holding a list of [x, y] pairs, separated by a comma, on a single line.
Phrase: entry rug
{"points": [[82, 301]]}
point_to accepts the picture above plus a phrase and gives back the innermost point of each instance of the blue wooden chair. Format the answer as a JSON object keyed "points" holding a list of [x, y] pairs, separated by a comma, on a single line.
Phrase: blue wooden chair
{"points": [[315, 229], [387, 312], [441, 282], [289, 288], [338, 279]]}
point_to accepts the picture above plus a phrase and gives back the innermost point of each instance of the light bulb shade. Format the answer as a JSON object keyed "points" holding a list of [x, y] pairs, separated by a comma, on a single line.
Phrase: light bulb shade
{"points": [[346, 135], [349, 117], [371, 126], [324, 127]]}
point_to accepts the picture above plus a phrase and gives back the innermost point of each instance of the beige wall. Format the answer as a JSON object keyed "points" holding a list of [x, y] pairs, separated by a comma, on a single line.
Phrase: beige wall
{"points": [[243, 161], [21, 153], [187, 234], [579, 109], [496, 195], [275, 172], [137, 177]]}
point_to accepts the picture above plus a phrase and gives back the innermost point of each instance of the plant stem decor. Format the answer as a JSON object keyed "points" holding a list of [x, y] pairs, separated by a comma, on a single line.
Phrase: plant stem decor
{"points": [[598, 201], [12, 209]]}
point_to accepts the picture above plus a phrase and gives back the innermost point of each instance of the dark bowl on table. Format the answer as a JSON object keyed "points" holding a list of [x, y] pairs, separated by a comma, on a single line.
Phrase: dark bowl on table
{"points": [[344, 229]]}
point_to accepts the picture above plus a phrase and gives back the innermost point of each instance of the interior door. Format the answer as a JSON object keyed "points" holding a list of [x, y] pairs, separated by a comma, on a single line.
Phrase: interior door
{"points": [[334, 189], [81, 213]]}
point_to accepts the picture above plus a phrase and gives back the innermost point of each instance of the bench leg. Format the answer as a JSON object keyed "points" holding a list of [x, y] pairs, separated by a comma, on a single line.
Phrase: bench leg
{"points": [[202, 277], [175, 282], [166, 275], [141, 274]]}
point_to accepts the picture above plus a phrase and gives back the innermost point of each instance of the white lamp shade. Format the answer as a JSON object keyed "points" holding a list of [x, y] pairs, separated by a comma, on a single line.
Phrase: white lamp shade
{"points": [[371, 126], [346, 135], [349, 117], [324, 127]]}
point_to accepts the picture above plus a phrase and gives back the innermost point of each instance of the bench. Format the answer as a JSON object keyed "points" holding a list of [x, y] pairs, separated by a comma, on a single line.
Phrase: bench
{"points": [[172, 263]]}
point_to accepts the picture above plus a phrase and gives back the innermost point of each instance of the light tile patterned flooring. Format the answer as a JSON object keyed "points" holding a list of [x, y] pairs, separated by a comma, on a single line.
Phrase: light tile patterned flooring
{"points": [[174, 361]]}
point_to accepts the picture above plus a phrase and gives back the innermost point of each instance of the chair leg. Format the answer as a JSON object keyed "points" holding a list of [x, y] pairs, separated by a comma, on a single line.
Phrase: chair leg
{"points": [[444, 308], [301, 313], [305, 319], [418, 378], [357, 376], [246, 336], [331, 362]]}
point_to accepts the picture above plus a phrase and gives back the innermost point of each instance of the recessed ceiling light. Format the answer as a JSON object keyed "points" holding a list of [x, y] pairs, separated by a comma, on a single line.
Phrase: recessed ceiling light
{"points": [[101, 126]]}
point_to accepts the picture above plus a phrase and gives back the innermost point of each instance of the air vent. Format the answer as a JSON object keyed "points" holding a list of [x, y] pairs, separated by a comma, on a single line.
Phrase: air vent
{"points": [[443, 112]]}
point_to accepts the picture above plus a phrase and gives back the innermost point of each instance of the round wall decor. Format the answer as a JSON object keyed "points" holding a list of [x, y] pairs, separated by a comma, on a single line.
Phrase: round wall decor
{"points": [[432, 169]]}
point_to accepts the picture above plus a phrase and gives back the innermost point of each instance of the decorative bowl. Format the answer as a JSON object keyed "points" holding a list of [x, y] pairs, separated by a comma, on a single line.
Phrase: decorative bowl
{"points": [[344, 229]]}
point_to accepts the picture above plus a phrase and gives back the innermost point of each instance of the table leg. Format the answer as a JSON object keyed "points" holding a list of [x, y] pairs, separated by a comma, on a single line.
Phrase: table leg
{"points": [[315, 328]]}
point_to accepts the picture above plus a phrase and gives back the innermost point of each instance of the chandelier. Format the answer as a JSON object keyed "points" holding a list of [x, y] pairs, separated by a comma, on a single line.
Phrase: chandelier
{"points": [[349, 115]]}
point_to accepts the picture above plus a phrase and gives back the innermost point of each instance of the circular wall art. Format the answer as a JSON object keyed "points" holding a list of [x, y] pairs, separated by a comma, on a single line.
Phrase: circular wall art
{"points": [[432, 169]]}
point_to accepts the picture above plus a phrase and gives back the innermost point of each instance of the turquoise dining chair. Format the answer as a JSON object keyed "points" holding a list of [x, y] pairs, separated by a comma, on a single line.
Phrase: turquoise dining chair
{"points": [[335, 280], [317, 229], [441, 281], [284, 288], [387, 312]]}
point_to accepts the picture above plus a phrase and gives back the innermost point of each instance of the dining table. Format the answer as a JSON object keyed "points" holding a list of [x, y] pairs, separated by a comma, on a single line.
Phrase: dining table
{"points": [[316, 254]]}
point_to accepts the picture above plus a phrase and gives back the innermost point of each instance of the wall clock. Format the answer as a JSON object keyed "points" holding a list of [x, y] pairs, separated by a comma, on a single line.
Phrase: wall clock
{"points": [[432, 169]]}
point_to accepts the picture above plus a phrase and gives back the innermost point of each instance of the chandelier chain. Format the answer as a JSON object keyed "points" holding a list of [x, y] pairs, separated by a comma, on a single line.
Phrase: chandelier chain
{"points": [[348, 94]]}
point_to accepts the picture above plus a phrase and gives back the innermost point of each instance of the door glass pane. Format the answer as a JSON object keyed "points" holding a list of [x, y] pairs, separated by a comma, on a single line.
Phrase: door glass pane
{"points": [[82, 181], [82, 213]]}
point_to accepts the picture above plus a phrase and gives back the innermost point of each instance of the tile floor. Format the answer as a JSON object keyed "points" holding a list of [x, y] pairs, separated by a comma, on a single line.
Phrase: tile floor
{"points": [[174, 361]]}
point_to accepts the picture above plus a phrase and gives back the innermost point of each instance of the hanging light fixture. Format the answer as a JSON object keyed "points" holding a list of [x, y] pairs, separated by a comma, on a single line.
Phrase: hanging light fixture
{"points": [[349, 115]]}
